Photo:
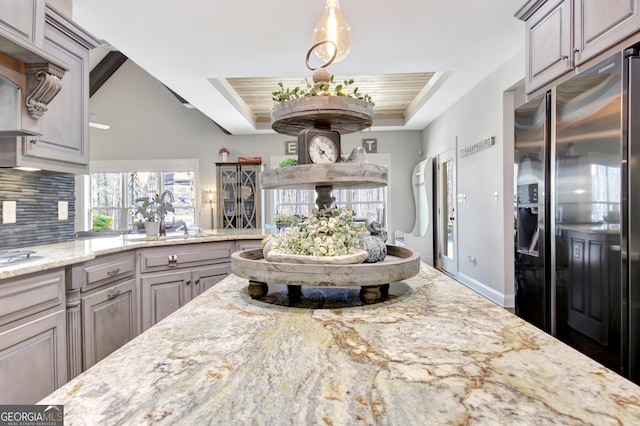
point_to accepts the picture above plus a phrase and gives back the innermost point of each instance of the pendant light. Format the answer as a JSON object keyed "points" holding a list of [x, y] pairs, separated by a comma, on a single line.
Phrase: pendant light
{"points": [[332, 26]]}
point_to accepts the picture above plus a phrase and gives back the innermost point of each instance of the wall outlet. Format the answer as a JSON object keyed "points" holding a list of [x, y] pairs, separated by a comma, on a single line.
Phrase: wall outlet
{"points": [[63, 210], [8, 212]]}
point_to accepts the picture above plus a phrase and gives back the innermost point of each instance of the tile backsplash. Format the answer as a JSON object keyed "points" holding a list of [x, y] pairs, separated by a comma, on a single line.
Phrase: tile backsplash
{"points": [[36, 195]]}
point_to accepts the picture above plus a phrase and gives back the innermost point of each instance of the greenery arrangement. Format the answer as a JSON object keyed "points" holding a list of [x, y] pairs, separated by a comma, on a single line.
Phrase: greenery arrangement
{"points": [[287, 162], [326, 232], [100, 222], [150, 209], [286, 218], [322, 88]]}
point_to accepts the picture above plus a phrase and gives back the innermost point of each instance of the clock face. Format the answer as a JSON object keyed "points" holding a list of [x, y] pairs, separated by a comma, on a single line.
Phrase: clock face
{"points": [[323, 149], [318, 146]]}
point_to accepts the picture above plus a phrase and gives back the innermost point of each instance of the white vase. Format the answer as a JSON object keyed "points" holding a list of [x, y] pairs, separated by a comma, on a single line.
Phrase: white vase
{"points": [[152, 229], [225, 156]]}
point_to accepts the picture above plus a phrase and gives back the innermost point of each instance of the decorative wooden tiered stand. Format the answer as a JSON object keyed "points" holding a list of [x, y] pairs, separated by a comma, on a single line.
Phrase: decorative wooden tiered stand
{"points": [[344, 115]]}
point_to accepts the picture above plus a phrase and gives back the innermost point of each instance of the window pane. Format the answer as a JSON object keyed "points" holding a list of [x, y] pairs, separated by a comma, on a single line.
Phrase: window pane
{"points": [[292, 201], [182, 185], [110, 197], [106, 190]]}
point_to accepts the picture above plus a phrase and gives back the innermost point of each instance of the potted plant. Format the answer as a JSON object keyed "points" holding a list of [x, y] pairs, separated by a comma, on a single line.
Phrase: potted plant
{"points": [[100, 222], [287, 162], [323, 87], [224, 153], [286, 220], [151, 209]]}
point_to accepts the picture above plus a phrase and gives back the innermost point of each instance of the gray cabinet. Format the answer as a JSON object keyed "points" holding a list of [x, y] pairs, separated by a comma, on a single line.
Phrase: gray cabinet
{"points": [[242, 245], [102, 308], [548, 43], [171, 276], [23, 19], [239, 200], [109, 320], [563, 34], [163, 294], [32, 337], [205, 278], [601, 24], [64, 142]]}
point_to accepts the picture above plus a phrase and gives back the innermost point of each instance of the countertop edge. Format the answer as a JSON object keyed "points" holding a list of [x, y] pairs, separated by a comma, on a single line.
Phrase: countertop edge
{"points": [[59, 255]]}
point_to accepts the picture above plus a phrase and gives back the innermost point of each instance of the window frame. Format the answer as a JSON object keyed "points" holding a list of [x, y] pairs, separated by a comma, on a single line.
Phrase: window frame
{"points": [[127, 166]]}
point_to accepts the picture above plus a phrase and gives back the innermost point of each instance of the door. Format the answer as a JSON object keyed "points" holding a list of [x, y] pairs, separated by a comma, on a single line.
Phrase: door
{"points": [[588, 208], [110, 319], [532, 255], [163, 294], [447, 229], [249, 196], [205, 278]]}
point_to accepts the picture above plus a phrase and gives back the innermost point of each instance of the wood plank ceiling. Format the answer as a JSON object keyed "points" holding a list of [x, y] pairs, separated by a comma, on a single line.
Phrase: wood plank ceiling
{"points": [[392, 94]]}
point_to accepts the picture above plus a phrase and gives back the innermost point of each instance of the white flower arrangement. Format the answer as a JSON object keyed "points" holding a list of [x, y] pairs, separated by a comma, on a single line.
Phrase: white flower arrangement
{"points": [[327, 232]]}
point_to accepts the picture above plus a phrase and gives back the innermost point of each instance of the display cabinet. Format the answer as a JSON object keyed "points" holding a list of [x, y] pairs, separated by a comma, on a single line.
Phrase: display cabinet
{"points": [[239, 200]]}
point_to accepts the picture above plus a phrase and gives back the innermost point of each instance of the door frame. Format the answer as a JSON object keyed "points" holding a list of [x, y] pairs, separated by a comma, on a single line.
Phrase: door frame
{"points": [[446, 264]]}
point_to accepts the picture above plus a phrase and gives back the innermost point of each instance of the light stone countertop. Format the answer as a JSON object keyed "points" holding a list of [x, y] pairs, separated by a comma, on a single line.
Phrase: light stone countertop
{"points": [[67, 253], [435, 353]]}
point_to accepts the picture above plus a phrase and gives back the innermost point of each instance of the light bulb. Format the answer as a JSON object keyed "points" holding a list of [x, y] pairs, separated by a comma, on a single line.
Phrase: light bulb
{"points": [[332, 26]]}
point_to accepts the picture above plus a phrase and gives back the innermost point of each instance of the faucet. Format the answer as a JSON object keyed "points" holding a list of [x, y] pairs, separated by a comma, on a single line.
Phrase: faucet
{"points": [[163, 211]]}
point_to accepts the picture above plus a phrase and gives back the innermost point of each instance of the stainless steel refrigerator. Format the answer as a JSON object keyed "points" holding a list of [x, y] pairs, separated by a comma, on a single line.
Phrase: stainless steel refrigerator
{"points": [[589, 271], [531, 214]]}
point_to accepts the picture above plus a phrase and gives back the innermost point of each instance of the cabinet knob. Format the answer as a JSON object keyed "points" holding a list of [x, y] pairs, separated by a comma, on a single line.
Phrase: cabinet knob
{"points": [[197, 281], [172, 260], [188, 282]]}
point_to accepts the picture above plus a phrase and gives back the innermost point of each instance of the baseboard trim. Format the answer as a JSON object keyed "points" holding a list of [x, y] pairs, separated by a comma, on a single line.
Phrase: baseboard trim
{"points": [[500, 299]]}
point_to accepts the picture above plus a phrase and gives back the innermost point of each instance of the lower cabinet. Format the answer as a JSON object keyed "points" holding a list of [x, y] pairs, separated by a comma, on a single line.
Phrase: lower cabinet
{"points": [[109, 320], [205, 278], [102, 308], [32, 337], [162, 294], [171, 276]]}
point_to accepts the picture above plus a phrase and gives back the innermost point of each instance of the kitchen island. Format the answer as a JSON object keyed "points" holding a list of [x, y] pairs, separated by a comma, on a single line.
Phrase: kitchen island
{"points": [[434, 353]]}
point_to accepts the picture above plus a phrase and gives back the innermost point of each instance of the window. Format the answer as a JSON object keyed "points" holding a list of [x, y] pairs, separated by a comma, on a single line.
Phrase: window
{"points": [[114, 194], [366, 203]]}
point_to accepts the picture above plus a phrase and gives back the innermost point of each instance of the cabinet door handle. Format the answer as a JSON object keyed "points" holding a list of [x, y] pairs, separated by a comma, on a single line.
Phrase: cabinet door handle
{"points": [[113, 295], [113, 272], [197, 281], [188, 282], [172, 261]]}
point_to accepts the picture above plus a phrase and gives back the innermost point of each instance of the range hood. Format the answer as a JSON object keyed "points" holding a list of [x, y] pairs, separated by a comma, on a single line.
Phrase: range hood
{"points": [[30, 78], [11, 110]]}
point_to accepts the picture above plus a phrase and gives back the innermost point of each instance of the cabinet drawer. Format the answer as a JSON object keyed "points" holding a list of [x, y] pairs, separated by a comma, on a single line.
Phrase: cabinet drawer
{"points": [[102, 270], [21, 297], [185, 256]]}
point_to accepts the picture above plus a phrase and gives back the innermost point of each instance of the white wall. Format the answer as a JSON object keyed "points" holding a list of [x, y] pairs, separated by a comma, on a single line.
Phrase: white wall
{"points": [[148, 122], [485, 226]]}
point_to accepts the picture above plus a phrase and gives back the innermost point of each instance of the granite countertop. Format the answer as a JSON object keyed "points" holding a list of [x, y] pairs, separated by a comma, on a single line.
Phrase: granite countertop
{"points": [[62, 254], [434, 353]]}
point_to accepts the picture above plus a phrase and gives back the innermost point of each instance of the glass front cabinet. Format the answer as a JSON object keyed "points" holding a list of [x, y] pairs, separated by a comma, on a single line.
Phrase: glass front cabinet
{"points": [[238, 195]]}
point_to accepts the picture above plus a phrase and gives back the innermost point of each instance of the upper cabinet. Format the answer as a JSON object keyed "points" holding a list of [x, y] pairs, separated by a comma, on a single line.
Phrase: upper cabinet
{"points": [[601, 24], [23, 20], [562, 34], [61, 143]]}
